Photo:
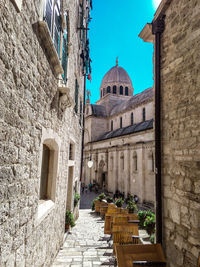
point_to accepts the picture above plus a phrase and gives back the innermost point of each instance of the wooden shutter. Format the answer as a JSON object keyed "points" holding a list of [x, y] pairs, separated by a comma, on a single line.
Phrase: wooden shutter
{"points": [[65, 49]]}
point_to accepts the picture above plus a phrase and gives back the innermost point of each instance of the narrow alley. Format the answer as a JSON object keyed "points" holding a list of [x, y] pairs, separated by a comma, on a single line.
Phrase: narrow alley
{"points": [[86, 245]]}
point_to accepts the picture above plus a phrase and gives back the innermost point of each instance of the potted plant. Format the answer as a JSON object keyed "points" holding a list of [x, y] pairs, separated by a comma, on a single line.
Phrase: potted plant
{"points": [[93, 203], [76, 199], [69, 219], [119, 202], [102, 196], [131, 206], [150, 223], [142, 214], [109, 199]]}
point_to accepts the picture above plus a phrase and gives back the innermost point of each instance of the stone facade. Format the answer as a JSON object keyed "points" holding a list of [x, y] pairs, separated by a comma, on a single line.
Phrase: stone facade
{"points": [[180, 109], [123, 161], [37, 111]]}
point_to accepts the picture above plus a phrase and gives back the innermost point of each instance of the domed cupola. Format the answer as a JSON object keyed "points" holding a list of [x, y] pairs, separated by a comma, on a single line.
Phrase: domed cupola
{"points": [[116, 82]]}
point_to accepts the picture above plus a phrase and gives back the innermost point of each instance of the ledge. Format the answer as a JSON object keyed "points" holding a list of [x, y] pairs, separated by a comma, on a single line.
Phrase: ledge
{"points": [[146, 34], [47, 43], [44, 208]]}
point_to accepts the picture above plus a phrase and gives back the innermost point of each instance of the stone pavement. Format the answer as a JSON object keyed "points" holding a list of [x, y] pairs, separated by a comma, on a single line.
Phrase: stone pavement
{"points": [[86, 245]]}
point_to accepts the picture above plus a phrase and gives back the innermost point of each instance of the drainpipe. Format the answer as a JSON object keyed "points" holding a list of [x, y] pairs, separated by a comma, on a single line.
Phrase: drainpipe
{"points": [[157, 29], [83, 131]]}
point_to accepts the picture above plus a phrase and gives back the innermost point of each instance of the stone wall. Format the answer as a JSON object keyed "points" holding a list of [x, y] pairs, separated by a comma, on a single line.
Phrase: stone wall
{"points": [[30, 106], [180, 101]]}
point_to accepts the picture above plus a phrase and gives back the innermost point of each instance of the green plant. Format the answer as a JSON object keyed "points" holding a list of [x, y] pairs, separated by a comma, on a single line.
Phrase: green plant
{"points": [[119, 202], [69, 218], [142, 214], [132, 207], [93, 203], [102, 196], [76, 199], [109, 199], [150, 223], [152, 238]]}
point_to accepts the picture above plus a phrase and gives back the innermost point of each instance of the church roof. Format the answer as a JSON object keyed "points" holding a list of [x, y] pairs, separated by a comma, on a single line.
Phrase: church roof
{"points": [[116, 75], [138, 127], [134, 101], [98, 110]]}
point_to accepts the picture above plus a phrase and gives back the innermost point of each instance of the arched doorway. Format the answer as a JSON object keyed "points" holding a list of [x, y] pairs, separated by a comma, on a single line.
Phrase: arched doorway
{"points": [[102, 175]]}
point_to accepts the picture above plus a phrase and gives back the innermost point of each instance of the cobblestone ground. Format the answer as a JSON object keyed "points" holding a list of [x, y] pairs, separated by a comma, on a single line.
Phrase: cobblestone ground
{"points": [[86, 245]]}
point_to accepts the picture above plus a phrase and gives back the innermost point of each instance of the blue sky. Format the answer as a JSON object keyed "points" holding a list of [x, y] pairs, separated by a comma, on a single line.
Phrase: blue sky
{"points": [[114, 30]]}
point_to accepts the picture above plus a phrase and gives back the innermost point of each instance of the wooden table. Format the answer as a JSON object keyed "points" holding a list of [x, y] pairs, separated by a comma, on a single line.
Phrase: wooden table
{"points": [[126, 254]]}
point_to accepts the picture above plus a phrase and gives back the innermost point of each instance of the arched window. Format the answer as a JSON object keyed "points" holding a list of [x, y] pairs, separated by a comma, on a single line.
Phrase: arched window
{"points": [[108, 89], [121, 90], [120, 122], [111, 163], [111, 126], [135, 162], [122, 161], [151, 162], [101, 93], [114, 89], [104, 91], [126, 90], [132, 119], [143, 114]]}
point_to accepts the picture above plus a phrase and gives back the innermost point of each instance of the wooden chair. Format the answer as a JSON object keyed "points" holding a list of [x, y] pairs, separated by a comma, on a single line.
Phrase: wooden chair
{"points": [[103, 209], [122, 234], [116, 213], [127, 254], [97, 206]]}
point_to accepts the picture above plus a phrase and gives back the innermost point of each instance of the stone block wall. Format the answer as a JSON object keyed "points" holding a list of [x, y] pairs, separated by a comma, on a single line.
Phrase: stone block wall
{"points": [[180, 101], [30, 106]]}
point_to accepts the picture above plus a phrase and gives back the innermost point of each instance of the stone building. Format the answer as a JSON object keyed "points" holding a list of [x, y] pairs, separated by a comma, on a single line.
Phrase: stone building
{"points": [[119, 137], [176, 27], [41, 94]]}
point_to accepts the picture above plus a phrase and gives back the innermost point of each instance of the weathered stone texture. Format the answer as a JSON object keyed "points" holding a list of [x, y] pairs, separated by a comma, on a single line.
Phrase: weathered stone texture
{"points": [[180, 72], [29, 103]]}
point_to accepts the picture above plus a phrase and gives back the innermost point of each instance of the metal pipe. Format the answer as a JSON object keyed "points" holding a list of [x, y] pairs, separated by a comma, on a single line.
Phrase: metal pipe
{"points": [[157, 30]]}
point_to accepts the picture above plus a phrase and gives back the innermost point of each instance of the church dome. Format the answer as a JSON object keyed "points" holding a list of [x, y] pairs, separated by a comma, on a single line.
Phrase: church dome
{"points": [[116, 82], [116, 75]]}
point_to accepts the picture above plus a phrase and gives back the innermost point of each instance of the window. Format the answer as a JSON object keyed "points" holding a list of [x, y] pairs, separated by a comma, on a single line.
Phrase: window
{"points": [[120, 122], [121, 90], [108, 89], [101, 93], [126, 90], [111, 126], [143, 114], [71, 151], [135, 161], [48, 170], [76, 96], [52, 16], [114, 89], [132, 120]]}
